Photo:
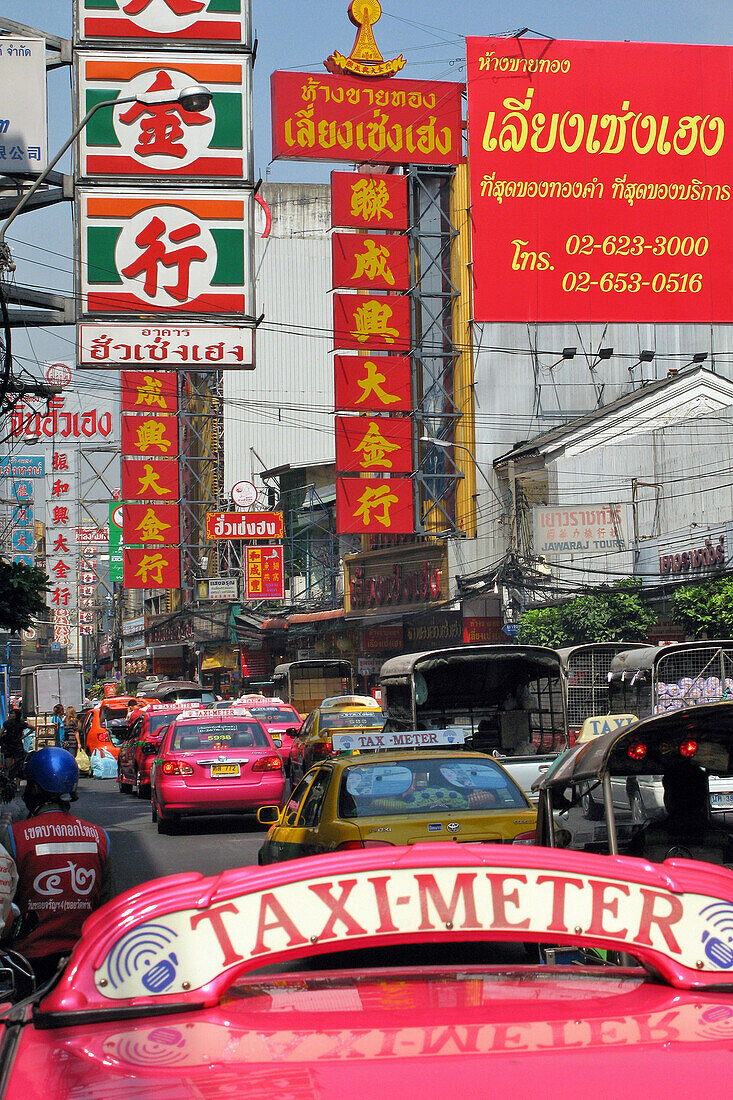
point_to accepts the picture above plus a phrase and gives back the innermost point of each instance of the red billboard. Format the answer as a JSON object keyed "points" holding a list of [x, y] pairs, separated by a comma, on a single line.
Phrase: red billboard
{"points": [[360, 201], [153, 567], [150, 523], [600, 181], [379, 505], [373, 444], [383, 121], [379, 383], [372, 322], [149, 391], [151, 479], [149, 435], [368, 261]]}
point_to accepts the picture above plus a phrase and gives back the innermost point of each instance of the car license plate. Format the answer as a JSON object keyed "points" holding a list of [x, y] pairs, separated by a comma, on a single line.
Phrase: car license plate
{"points": [[225, 769], [723, 801]]}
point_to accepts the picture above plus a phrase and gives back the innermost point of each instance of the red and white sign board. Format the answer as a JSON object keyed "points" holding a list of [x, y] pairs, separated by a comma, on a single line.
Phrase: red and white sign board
{"points": [[198, 22], [600, 181], [214, 347]]}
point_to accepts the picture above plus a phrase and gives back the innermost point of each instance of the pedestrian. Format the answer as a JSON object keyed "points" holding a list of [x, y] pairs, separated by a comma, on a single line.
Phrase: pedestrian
{"points": [[11, 743], [62, 861], [58, 725], [72, 743]]}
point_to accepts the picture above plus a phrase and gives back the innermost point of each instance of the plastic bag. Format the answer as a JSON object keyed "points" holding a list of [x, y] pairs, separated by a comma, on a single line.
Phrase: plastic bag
{"points": [[83, 762], [29, 741], [103, 764]]}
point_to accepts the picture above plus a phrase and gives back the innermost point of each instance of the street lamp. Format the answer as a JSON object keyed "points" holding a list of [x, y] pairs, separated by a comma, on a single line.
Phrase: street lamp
{"points": [[446, 444], [194, 98]]}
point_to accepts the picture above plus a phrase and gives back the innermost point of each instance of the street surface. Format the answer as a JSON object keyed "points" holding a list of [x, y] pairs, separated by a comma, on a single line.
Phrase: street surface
{"points": [[139, 853]]}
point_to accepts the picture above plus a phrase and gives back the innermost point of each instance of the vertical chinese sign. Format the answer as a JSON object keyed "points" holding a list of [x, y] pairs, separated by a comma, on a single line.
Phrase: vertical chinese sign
{"points": [[375, 446], [61, 549]]}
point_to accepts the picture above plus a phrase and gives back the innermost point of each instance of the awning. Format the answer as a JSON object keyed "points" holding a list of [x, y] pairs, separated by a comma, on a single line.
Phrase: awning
{"points": [[220, 658]]}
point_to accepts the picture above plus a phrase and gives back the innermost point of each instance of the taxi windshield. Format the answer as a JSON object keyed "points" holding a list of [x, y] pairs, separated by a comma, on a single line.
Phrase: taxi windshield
{"points": [[442, 784], [228, 735], [353, 719], [275, 714]]}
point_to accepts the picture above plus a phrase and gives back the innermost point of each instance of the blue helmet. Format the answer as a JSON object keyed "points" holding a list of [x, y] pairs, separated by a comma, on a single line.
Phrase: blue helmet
{"points": [[54, 770]]}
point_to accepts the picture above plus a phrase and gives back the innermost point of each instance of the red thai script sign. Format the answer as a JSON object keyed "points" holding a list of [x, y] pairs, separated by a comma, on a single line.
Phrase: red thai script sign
{"points": [[150, 435], [480, 629], [373, 444], [56, 422], [149, 391], [151, 479], [151, 523], [382, 637], [374, 504], [153, 567], [244, 525], [265, 573], [370, 321], [370, 262], [373, 384], [380, 121], [360, 201], [600, 181]]}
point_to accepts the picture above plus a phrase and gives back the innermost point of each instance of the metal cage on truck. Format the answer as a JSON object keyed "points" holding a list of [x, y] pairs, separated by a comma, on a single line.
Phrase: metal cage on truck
{"points": [[657, 679], [587, 669]]}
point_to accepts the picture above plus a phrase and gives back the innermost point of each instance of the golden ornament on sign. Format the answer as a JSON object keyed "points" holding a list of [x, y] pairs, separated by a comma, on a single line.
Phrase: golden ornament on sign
{"points": [[365, 58]]}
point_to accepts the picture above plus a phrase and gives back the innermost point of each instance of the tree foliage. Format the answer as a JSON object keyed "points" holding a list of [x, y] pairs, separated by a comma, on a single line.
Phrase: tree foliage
{"points": [[611, 613], [22, 594], [705, 608]]}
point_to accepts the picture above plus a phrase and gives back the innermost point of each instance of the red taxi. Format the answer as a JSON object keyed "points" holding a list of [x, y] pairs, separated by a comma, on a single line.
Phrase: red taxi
{"points": [[146, 727], [214, 762], [165, 994], [280, 720], [104, 726]]}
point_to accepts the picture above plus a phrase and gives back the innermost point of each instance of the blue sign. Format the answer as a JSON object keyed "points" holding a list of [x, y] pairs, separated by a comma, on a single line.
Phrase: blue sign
{"points": [[23, 515], [23, 540], [23, 489], [23, 466], [512, 629], [24, 559], [55, 647]]}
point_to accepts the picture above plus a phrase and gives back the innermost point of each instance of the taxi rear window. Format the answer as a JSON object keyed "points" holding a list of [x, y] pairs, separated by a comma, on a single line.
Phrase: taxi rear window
{"points": [[440, 785], [222, 735], [353, 719], [157, 721], [275, 714]]}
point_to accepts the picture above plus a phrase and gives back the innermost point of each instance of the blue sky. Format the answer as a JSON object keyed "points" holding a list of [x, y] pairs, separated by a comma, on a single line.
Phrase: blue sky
{"points": [[294, 34]]}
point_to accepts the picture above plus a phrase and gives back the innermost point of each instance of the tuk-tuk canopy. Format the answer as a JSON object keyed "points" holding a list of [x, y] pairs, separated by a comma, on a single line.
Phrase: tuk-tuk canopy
{"points": [[704, 733], [342, 668], [489, 661], [632, 662]]}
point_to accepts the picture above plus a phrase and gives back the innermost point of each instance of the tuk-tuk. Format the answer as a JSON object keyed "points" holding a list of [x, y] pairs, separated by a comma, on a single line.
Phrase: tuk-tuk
{"points": [[657, 679], [586, 677], [619, 763]]}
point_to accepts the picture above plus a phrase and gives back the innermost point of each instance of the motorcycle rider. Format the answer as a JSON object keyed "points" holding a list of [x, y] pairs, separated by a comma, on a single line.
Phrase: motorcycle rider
{"points": [[62, 861]]}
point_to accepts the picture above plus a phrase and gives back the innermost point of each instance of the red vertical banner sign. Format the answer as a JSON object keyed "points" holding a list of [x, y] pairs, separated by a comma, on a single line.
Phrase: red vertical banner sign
{"points": [[379, 383], [374, 505], [375, 322], [360, 201], [366, 261], [373, 444]]}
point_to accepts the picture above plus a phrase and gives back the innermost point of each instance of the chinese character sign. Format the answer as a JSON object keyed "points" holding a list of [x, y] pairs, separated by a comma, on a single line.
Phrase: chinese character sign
{"points": [[374, 505], [370, 262], [373, 444], [590, 529], [265, 573], [152, 567], [600, 181], [152, 523], [161, 21], [164, 251], [360, 201], [153, 139], [379, 121], [150, 435], [23, 97], [149, 391], [150, 479], [371, 322], [378, 384]]}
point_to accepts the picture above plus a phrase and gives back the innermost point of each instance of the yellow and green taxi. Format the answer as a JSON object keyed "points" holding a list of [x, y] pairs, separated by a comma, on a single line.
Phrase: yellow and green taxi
{"points": [[336, 715], [403, 797]]}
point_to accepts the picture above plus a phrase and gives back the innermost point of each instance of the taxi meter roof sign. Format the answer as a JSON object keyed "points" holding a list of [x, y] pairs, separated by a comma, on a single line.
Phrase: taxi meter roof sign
{"points": [[179, 943], [412, 739]]}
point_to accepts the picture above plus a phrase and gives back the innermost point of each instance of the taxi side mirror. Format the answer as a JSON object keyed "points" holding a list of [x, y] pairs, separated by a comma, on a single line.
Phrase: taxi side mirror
{"points": [[268, 815], [293, 731]]}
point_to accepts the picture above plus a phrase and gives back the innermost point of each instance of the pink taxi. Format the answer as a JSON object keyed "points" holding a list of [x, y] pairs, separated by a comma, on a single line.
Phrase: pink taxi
{"points": [[214, 762], [165, 995], [280, 720]]}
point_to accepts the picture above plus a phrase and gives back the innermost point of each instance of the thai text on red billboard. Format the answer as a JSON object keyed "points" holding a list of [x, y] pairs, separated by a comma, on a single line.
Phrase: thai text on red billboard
{"points": [[379, 383], [381, 121], [600, 181]]}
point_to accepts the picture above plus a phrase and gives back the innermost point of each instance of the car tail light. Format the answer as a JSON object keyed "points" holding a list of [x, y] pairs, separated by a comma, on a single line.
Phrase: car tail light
{"points": [[636, 751], [177, 767], [688, 748], [267, 764], [353, 845], [323, 748], [103, 736], [524, 838]]}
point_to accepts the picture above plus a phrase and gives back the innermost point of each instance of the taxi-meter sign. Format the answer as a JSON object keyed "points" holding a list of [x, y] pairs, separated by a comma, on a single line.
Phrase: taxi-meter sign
{"points": [[412, 739]]}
